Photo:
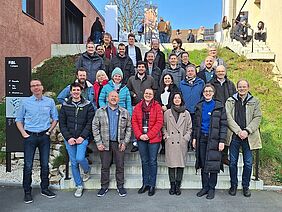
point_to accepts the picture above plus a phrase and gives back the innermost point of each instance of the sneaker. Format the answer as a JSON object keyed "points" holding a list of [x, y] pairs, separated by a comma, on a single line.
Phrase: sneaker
{"points": [[210, 194], [48, 193], [79, 191], [28, 198], [121, 192], [134, 149], [246, 192], [102, 192], [86, 176]]}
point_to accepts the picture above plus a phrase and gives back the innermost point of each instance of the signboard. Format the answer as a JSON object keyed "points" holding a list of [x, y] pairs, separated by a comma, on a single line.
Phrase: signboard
{"points": [[151, 19], [111, 20]]}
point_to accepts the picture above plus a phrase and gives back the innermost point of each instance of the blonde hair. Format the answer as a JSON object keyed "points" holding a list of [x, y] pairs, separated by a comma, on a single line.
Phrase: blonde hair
{"points": [[101, 72]]}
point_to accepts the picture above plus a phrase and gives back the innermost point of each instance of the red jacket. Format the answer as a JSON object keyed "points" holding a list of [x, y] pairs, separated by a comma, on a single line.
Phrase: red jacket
{"points": [[97, 89], [155, 122], [110, 51]]}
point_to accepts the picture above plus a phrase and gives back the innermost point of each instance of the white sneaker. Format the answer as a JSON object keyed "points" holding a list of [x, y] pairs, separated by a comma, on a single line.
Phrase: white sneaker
{"points": [[86, 176], [79, 191]]}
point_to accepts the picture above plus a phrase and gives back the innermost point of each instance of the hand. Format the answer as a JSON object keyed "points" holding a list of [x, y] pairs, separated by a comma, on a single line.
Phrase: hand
{"points": [[71, 141], [101, 147], [122, 147], [164, 108], [144, 137], [25, 135], [243, 134], [79, 140], [220, 146], [194, 143]]}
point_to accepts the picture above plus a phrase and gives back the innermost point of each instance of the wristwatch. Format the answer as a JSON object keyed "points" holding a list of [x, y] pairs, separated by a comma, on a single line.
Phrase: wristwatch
{"points": [[48, 132]]}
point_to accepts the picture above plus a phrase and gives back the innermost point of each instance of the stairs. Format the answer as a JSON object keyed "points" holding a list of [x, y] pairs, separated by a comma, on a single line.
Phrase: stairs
{"points": [[133, 174]]}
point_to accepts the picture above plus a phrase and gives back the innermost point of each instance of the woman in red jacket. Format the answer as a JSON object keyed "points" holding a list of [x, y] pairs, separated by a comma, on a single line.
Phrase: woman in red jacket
{"points": [[101, 80], [147, 122]]}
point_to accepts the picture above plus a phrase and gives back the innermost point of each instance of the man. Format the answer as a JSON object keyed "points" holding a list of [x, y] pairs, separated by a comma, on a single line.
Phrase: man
{"points": [[159, 55], [87, 88], [174, 69], [90, 61], [241, 33], [185, 60], [110, 49], [243, 117], [224, 88], [112, 129], [76, 116], [124, 62], [33, 122], [96, 31], [190, 37], [152, 69], [217, 61], [208, 73], [162, 28], [177, 48], [101, 52], [133, 51]]}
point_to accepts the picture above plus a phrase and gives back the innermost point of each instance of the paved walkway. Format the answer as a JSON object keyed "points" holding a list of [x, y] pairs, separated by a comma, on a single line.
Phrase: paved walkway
{"points": [[11, 199]]}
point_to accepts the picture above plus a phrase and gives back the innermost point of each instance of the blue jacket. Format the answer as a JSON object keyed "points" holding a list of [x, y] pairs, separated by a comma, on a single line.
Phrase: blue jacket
{"points": [[192, 93], [124, 96]]}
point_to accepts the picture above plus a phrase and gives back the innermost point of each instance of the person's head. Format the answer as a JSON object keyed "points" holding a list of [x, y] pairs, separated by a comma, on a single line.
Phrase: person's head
{"points": [[224, 19], [75, 91], [81, 75], [189, 31], [148, 95], [243, 87], [36, 87], [113, 99], [97, 18], [100, 50], [131, 39], [150, 57], [220, 72], [191, 71], [173, 59], [155, 44], [185, 57], [141, 67], [209, 62], [107, 38], [117, 75], [213, 51], [177, 99], [208, 92], [167, 80], [168, 23], [260, 25], [176, 43], [101, 76], [90, 48], [161, 19], [121, 49]]}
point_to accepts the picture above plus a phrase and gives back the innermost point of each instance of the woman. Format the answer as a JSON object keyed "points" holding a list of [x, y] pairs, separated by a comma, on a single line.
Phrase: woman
{"points": [[164, 96], [116, 84], [101, 81], [177, 131], [209, 136], [225, 27], [147, 122], [200, 34], [260, 35]]}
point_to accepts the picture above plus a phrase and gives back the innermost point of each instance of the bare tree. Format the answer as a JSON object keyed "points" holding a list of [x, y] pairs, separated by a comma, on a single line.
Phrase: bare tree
{"points": [[130, 13]]}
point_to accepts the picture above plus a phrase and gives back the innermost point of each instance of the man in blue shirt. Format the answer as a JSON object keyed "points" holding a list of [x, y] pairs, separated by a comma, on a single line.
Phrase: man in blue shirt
{"points": [[33, 122]]}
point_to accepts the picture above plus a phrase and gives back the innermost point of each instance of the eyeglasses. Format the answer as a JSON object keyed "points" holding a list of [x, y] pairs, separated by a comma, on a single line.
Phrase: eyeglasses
{"points": [[36, 85]]}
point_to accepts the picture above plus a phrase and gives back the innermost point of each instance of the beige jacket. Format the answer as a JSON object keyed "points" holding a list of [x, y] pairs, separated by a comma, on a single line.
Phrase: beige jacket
{"points": [[253, 119]]}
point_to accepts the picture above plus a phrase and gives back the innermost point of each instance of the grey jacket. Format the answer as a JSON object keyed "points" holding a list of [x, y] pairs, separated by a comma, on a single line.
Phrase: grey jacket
{"points": [[178, 74]]}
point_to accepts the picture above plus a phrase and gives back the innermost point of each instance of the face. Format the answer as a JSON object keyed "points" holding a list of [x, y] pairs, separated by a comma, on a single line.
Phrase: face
{"points": [[243, 88], [213, 52], [36, 87], [185, 58], [167, 80], [100, 50], [173, 60], [90, 48], [113, 98], [131, 40], [191, 72], [121, 50], [175, 45], [117, 78], [148, 95], [155, 44], [150, 58], [177, 100], [141, 69], [75, 92], [220, 72], [208, 93], [209, 62], [101, 77], [81, 76], [107, 39]]}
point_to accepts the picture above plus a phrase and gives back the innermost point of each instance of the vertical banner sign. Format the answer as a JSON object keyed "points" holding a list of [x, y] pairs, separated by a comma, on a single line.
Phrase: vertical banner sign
{"points": [[18, 75], [151, 19], [111, 20]]}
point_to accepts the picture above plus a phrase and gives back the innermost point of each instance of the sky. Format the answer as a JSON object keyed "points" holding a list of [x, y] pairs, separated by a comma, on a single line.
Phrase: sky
{"points": [[183, 14]]}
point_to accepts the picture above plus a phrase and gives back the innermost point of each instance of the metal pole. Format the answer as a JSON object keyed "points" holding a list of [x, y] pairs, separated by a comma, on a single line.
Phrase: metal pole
{"points": [[67, 168], [8, 162], [257, 165], [252, 40]]}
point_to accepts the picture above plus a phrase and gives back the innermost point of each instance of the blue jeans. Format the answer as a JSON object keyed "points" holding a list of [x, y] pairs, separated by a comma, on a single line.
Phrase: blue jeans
{"points": [[97, 37], [248, 161], [149, 156], [77, 156], [163, 37], [30, 145]]}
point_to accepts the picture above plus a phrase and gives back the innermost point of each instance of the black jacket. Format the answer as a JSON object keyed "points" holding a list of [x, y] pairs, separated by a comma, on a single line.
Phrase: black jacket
{"points": [[201, 74], [137, 52], [173, 89], [156, 74], [76, 121], [217, 134], [159, 59], [127, 68], [228, 88]]}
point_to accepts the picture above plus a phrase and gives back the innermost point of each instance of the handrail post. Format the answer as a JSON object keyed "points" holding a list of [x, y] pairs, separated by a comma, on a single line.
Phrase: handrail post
{"points": [[67, 177], [252, 40], [257, 165]]}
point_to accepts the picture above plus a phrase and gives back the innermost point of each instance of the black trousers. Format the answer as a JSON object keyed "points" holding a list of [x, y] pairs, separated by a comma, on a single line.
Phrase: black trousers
{"points": [[175, 174]]}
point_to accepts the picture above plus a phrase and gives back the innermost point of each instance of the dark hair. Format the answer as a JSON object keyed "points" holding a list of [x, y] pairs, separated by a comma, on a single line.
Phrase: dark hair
{"points": [[162, 85], [181, 97], [262, 25], [223, 19], [178, 40], [81, 69], [90, 42], [35, 79], [131, 35], [108, 34], [121, 44], [76, 84], [208, 85], [172, 54], [182, 53], [98, 45], [140, 62]]}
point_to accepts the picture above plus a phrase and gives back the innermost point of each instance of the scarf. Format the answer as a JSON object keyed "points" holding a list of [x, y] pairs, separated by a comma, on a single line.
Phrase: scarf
{"points": [[176, 111], [146, 108]]}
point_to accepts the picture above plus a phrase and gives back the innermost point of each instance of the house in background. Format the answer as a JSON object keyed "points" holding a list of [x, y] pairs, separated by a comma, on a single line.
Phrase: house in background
{"points": [[29, 27]]}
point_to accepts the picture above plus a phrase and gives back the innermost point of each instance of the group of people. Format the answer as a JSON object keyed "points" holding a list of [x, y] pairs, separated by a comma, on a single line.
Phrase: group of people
{"points": [[119, 98]]}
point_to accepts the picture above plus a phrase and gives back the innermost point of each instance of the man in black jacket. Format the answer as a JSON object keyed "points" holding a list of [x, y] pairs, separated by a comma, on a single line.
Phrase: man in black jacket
{"points": [[152, 69], [208, 73], [96, 31], [75, 120], [159, 55], [133, 51]]}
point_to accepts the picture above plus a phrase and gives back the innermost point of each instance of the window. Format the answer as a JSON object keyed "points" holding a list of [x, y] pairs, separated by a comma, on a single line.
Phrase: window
{"points": [[33, 8]]}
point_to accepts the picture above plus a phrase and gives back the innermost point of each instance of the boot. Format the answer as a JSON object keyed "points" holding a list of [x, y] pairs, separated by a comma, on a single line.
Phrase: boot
{"points": [[172, 188], [177, 188]]}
